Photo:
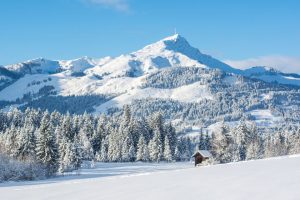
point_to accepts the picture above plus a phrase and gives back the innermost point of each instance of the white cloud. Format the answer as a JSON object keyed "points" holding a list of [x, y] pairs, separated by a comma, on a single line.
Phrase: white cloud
{"points": [[119, 5], [282, 63]]}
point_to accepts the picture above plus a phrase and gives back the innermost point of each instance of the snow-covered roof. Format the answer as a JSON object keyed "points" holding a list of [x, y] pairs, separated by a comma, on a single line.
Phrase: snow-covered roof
{"points": [[204, 153]]}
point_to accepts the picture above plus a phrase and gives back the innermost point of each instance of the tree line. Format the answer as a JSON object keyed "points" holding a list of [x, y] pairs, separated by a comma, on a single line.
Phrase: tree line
{"points": [[60, 142], [36, 144], [245, 142]]}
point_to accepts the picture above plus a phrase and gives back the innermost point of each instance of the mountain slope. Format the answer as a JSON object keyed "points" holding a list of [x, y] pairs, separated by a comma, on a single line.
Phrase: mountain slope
{"points": [[169, 76]]}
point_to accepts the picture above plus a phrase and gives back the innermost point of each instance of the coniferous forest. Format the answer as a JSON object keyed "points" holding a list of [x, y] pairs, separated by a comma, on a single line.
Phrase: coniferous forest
{"points": [[36, 144]]}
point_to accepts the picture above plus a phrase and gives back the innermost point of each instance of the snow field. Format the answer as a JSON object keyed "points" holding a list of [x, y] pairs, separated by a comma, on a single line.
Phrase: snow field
{"points": [[274, 178]]}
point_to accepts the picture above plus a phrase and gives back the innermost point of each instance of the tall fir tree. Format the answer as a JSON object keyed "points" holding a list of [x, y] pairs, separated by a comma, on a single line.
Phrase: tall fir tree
{"points": [[142, 150], [168, 156], [46, 148], [155, 147]]}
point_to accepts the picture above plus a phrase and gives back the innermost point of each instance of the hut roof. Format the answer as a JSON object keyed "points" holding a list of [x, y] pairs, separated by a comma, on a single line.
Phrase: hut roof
{"points": [[203, 153]]}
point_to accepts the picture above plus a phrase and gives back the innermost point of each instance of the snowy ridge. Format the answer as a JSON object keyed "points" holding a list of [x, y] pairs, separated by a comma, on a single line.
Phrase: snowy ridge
{"points": [[272, 75], [35, 66], [129, 77]]}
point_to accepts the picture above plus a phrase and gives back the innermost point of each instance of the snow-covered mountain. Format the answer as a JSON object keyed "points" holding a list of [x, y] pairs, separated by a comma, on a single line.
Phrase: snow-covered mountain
{"points": [[169, 75], [172, 51]]}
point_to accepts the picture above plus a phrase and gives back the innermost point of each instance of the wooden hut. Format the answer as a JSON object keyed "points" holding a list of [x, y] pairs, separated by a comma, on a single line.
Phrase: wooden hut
{"points": [[200, 156]]}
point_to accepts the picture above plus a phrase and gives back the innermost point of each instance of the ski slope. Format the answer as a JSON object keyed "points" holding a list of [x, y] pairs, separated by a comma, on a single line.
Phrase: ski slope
{"points": [[274, 178]]}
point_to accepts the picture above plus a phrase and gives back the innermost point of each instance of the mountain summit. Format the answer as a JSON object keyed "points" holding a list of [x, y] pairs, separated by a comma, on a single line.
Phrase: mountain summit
{"points": [[173, 51], [169, 70]]}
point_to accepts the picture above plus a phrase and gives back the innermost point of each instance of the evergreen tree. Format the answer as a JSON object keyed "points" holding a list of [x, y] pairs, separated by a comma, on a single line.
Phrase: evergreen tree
{"points": [[26, 143], [172, 138], [114, 147], [67, 128], [155, 147], [46, 148], [104, 150], [243, 136], [63, 148], [207, 142], [142, 150], [221, 148], [87, 149], [202, 141], [167, 151]]}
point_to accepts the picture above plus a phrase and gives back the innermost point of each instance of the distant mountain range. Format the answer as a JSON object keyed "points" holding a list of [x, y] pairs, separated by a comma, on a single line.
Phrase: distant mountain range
{"points": [[169, 76]]}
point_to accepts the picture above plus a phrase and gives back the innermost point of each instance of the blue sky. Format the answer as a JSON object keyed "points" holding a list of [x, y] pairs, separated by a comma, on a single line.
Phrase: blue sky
{"points": [[240, 32]]}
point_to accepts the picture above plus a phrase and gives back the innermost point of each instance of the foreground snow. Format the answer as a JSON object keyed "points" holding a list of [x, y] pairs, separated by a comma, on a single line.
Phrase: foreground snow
{"points": [[276, 178]]}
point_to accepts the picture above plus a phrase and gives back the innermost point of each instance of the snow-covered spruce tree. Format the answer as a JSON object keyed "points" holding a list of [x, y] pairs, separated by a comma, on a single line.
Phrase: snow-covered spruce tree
{"points": [[127, 132], [269, 146], [207, 142], [16, 118], [155, 147], [156, 124], [242, 138], [221, 144], [10, 141], [253, 151], [170, 133], [99, 134], [181, 150], [132, 153], [69, 157], [177, 155], [76, 123], [114, 147], [55, 119], [104, 149], [77, 153], [26, 143], [87, 149], [46, 148], [62, 149], [67, 128], [96, 141], [88, 125], [128, 150], [295, 143], [281, 144], [187, 149], [255, 145], [142, 150], [70, 154], [202, 141], [167, 151]]}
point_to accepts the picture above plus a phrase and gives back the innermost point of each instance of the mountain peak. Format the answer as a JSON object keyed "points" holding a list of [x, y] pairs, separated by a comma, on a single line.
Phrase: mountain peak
{"points": [[174, 37]]}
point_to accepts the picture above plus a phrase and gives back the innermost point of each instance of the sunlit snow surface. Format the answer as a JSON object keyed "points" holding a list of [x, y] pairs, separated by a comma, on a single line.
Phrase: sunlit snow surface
{"points": [[274, 178]]}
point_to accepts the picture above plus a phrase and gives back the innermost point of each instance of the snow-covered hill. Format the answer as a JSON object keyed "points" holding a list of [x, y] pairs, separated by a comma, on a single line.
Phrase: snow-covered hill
{"points": [[169, 74], [271, 75], [273, 178]]}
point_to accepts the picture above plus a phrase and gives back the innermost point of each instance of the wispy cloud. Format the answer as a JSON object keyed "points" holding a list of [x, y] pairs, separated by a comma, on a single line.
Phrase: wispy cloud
{"points": [[282, 63], [119, 5]]}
